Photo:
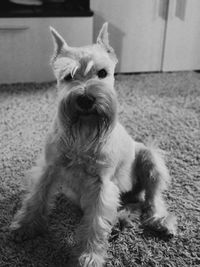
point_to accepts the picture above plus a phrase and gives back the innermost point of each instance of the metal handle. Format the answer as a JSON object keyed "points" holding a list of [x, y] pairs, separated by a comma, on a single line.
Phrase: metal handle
{"points": [[160, 9], [13, 28], [156, 9], [181, 9], [171, 9]]}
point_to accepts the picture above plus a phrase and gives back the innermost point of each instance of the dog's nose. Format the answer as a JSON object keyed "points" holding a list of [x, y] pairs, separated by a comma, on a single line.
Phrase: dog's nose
{"points": [[85, 102]]}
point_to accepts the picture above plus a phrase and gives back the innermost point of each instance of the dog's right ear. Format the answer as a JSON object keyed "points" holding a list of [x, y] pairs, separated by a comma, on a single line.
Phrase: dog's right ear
{"points": [[59, 42], [103, 41]]}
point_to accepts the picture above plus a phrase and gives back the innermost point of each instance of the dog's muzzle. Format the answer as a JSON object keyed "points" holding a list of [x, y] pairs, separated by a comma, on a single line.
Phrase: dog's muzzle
{"points": [[92, 106]]}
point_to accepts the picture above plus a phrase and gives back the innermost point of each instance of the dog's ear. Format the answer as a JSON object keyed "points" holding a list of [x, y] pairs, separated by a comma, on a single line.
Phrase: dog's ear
{"points": [[103, 40], [59, 42]]}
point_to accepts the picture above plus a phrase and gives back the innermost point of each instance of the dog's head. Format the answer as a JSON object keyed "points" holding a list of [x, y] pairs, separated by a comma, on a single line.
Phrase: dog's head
{"points": [[85, 76]]}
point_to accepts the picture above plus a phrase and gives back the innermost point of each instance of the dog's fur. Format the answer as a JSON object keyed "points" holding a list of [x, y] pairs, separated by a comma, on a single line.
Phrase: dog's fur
{"points": [[91, 155]]}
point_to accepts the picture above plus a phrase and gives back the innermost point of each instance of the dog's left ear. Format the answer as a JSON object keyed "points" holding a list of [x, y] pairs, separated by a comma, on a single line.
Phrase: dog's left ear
{"points": [[103, 40]]}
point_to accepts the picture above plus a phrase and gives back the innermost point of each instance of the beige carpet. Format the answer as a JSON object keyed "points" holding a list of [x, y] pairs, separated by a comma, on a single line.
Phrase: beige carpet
{"points": [[165, 106]]}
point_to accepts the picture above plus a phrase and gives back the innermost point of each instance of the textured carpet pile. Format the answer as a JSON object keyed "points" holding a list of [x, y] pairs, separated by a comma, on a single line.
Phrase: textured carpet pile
{"points": [[163, 106]]}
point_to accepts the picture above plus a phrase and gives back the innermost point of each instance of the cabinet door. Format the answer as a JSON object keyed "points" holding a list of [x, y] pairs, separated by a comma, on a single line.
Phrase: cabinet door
{"points": [[136, 30], [26, 45], [182, 44]]}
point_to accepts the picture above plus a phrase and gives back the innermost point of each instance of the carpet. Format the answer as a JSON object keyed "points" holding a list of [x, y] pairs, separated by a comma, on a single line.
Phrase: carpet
{"points": [[164, 106]]}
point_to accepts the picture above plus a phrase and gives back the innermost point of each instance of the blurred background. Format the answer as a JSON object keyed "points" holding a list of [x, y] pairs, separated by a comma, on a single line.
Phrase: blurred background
{"points": [[147, 35]]}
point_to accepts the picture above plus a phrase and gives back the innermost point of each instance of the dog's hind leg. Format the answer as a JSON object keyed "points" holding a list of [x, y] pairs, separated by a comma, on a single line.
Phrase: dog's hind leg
{"points": [[31, 218], [153, 177]]}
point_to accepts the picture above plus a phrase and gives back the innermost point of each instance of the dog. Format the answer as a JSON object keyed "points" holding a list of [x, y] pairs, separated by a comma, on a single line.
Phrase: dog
{"points": [[92, 156]]}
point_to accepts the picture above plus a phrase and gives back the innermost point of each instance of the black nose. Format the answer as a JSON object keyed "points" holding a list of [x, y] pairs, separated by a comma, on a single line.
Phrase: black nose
{"points": [[85, 102]]}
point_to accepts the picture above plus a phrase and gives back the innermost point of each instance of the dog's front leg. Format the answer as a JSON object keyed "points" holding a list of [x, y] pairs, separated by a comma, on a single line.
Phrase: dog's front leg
{"points": [[99, 201], [31, 218]]}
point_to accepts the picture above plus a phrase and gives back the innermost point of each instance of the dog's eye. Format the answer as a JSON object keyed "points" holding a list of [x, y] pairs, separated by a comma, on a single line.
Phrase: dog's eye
{"points": [[102, 73], [68, 77]]}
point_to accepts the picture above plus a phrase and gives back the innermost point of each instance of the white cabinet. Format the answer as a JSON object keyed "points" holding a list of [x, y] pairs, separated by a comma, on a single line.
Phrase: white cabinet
{"points": [[136, 32], [152, 35], [26, 45], [182, 42]]}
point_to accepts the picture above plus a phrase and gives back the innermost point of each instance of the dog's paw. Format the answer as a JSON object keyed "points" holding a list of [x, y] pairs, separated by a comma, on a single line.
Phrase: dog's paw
{"points": [[166, 225], [125, 219], [90, 260]]}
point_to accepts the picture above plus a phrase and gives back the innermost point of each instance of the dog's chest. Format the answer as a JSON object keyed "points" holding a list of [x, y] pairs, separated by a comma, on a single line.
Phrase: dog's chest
{"points": [[79, 169], [80, 164]]}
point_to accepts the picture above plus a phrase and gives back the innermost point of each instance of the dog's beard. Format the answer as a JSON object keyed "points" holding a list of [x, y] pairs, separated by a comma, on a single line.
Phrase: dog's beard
{"points": [[84, 132]]}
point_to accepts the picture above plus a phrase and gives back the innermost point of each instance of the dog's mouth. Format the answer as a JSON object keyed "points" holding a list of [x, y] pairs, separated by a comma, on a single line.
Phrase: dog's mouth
{"points": [[87, 114]]}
